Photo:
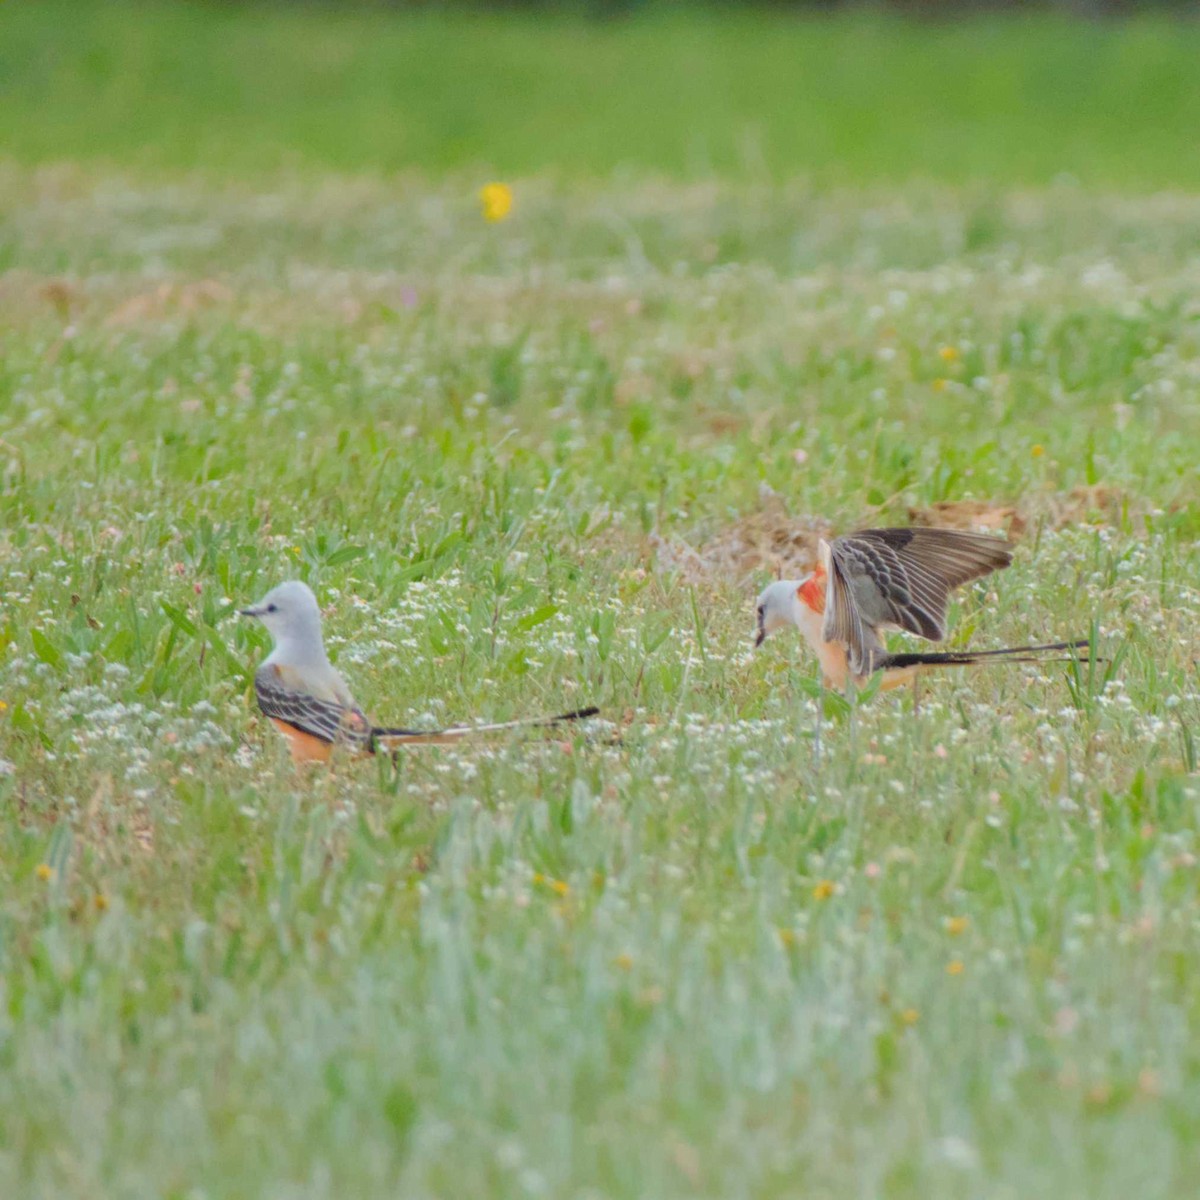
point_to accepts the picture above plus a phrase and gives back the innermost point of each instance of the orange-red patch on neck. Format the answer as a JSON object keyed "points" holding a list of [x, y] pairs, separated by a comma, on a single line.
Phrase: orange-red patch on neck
{"points": [[812, 591]]}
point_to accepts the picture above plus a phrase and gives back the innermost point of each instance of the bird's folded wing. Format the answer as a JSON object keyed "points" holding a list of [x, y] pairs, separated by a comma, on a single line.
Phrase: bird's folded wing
{"points": [[324, 719], [901, 578]]}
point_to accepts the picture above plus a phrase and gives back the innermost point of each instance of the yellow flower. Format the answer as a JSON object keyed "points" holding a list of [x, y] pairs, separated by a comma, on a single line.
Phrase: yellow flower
{"points": [[100, 900], [3, 706], [939, 385], [824, 889], [910, 1016], [948, 354], [294, 549], [538, 877], [624, 961], [955, 967], [956, 925], [496, 200], [45, 872], [1037, 450], [560, 886], [786, 937]]}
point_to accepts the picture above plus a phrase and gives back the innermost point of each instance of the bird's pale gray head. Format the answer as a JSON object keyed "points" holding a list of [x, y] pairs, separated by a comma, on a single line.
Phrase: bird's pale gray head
{"points": [[289, 612], [777, 607]]}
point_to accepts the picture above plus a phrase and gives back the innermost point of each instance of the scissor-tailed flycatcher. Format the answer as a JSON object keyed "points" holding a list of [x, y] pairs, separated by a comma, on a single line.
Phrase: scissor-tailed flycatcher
{"points": [[308, 701], [886, 579]]}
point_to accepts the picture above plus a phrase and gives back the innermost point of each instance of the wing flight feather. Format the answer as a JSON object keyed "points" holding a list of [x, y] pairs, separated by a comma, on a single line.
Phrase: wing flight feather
{"points": [[902, 579]]}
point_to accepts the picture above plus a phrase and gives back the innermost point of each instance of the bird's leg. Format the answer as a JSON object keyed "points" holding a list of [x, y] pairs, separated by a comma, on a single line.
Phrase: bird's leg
{"points": [[387, 770], [852, 696], [820, 714]]}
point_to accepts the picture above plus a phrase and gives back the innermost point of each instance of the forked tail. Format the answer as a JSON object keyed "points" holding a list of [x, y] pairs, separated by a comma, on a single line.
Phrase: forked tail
{"points": [[392, 739], [965, 658]]}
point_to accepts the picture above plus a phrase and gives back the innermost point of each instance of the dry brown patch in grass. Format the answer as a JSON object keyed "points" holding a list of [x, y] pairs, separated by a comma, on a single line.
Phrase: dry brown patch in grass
{"points": [[1096, 504], [474, 307], [183, 299], [60, 295], [970, 514], [1093, 504], [28, 298], [769, 539]]}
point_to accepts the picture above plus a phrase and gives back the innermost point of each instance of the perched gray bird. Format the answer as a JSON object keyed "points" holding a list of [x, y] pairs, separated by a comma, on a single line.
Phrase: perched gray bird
{"points": [[308, 701]]}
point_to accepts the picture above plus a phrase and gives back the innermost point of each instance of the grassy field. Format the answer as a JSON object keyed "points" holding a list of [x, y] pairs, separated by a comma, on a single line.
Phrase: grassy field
{"points": [[546, 462], [258, 88]]}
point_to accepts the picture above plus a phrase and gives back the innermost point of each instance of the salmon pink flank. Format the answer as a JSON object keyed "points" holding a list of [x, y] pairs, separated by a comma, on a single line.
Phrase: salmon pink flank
{"points": [[878, 580]]}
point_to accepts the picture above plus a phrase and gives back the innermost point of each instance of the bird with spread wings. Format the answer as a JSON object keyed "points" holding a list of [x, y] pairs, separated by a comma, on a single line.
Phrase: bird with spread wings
{"points": [[878, 580]]}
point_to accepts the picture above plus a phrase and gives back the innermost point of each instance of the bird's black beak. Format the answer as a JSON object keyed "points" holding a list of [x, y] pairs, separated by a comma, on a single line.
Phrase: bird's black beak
{"points": [[760, 636], [248, 612]]}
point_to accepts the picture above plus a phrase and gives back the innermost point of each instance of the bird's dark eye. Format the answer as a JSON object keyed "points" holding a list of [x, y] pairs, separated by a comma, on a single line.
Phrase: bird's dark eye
{"points": [[272, 608], [762, 608]]}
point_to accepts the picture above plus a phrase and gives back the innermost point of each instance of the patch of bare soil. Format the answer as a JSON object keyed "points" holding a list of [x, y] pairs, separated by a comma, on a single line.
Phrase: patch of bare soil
{"points": [[771, 540], [1097, 504], [767, 540], [1094, 504], [169, 299], [970, 514]]}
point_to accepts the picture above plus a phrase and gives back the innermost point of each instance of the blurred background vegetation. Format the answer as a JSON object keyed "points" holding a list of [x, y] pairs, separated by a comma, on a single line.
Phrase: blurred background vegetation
{"points": [[833, 93]]}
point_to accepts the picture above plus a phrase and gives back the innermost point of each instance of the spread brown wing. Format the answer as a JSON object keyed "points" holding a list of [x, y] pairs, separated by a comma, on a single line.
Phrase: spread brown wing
{"points": [[900, 579], [324, 719], [843, 621]]}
